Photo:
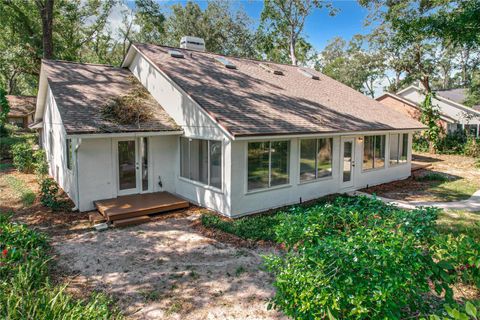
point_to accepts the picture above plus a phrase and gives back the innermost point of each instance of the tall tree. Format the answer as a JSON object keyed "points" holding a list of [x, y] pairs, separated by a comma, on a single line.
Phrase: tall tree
{"points": [[45, 9], [286, 19], [150, 20]]}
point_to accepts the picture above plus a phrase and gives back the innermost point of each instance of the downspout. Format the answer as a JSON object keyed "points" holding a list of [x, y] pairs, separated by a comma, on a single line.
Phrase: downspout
{"points": [[79, 142]]}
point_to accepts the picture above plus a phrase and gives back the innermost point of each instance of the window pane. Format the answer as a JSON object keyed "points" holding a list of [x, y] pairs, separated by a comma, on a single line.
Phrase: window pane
{"points": [[324, 158], [184, 158], [307, 159], [279, 166], [199, 160], [69, 153], [379, 158], [368, 153], [216, 164], [394, 148], [347, 161], [404, 148], [126, 165], [257, 165], [144, 161]]}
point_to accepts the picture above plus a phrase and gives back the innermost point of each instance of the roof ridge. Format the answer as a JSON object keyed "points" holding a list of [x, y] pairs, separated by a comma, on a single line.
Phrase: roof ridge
{"points": [[226, 56], [81, 63]]}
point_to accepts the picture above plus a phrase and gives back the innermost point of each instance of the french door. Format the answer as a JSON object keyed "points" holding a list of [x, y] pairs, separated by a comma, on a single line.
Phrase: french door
{"points": [[132, 165], [347, 162]]}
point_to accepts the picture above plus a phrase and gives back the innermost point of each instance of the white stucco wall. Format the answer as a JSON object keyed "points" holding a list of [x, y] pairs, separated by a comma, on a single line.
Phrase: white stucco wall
{"points": [[244, 202], [54, 143]]}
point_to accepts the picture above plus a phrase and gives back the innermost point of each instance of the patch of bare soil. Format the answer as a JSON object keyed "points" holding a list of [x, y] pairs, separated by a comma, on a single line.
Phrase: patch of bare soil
{"points": [[166, 269], [460, 170]]}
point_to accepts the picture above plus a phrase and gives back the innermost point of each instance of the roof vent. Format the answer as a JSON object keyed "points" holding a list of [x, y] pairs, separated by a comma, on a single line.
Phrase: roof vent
{"points": [[192, 43], [226, 62], [175, 54], [308, 74], [271, 69]]}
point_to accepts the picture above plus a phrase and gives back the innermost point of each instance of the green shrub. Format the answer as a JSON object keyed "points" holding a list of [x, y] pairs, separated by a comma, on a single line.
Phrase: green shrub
{"points": [[253, 228], [469, 311], [472, 147], [25, 290], [41, 165], [462, 254], [49, 196], [23, 158], [433, 176], [358, 274]]}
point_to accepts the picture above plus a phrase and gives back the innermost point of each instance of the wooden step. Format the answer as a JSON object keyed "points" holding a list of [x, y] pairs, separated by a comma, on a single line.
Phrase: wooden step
{"points": [[96, 217], [131, 221]]}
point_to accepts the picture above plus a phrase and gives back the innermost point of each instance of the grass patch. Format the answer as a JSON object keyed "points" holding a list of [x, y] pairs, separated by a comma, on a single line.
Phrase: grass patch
{"points": [[25, 289], [454, 190], [26, 195], [5, 166], [433, 176], [457, 222]]}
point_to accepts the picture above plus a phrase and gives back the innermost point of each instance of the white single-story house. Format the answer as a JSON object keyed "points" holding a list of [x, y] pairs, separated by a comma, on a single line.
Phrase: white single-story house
{"points": [[234, 135], [454, 115]]}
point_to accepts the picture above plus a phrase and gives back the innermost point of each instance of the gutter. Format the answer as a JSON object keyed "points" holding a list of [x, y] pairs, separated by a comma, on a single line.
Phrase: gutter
{"points": [[79, 142]]}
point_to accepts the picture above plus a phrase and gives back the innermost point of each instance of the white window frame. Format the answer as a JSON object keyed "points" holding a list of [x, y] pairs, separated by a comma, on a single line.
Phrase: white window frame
{"points": [[329, 177], [373, 159], [288, 184], [199, 183], [399, 151]]}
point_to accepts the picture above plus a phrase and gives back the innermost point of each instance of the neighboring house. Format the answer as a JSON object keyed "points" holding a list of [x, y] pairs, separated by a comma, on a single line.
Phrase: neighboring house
{"points": [[454, 116], [234, 135], [22, 110]]}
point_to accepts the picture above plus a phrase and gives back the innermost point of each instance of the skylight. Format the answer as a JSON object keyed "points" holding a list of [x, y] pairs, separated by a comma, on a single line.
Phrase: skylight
{"points": [[271, 69], [226, 62], [308, 74], [175, 53]]}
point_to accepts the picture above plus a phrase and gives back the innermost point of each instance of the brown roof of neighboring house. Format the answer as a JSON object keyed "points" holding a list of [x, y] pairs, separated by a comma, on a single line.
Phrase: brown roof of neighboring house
{"points": [[249, 100], [82, 90], [21, 106]]}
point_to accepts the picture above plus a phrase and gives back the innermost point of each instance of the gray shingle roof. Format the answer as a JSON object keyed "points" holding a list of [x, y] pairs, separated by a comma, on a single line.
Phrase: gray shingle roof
{"points": [[81, 90], [251, 101]]}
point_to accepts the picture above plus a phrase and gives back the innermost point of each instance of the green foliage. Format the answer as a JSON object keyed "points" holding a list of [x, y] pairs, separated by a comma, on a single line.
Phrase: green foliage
{"points": [[25, 290], [49, 194], [472, 147], [255, 228], [10, 139], [430, 117], [461, 254], [41, 165], [432, 176], [469, 311], [358, 274], [26, 194], [4, 110], [473, 93], [23, 158]]}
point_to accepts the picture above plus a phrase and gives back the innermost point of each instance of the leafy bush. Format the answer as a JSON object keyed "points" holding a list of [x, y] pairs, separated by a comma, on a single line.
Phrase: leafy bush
{"points": [[41, 165], [359, 274], [7, 142], [25, 290], [49, 196], [472, 148], [469, 311], [23, 158], [462, 254], [253, 228], [432, 176]]}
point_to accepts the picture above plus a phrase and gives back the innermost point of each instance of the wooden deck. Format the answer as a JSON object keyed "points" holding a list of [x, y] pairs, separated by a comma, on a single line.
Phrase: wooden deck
{"points": [[138, 205]]}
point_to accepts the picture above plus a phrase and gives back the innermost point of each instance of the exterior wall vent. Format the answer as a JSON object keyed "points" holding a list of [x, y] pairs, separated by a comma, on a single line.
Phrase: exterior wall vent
{"points": [[308, 74], [192, 43], [271, 69], [175, 54], [224, 61]]}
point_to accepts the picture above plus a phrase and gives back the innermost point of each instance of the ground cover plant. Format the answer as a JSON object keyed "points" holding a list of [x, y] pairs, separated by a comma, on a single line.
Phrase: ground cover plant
{"points": [[25, 289], [26, 194], [358, 258]]}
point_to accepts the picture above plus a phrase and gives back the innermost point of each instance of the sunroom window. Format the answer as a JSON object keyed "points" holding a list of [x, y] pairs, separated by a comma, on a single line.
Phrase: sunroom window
{"points": [[201, 161], [69, 153], [268, 164], [315, 159], [373, 152], [398, 148]]}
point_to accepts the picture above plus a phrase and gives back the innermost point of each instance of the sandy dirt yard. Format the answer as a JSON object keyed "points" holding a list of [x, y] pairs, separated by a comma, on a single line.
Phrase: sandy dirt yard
{"points": [[166, 269]]}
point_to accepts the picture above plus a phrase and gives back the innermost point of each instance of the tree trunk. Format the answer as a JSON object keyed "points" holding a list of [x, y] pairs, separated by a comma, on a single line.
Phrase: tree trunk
{"points": [[293, 41], [46, 13]]}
